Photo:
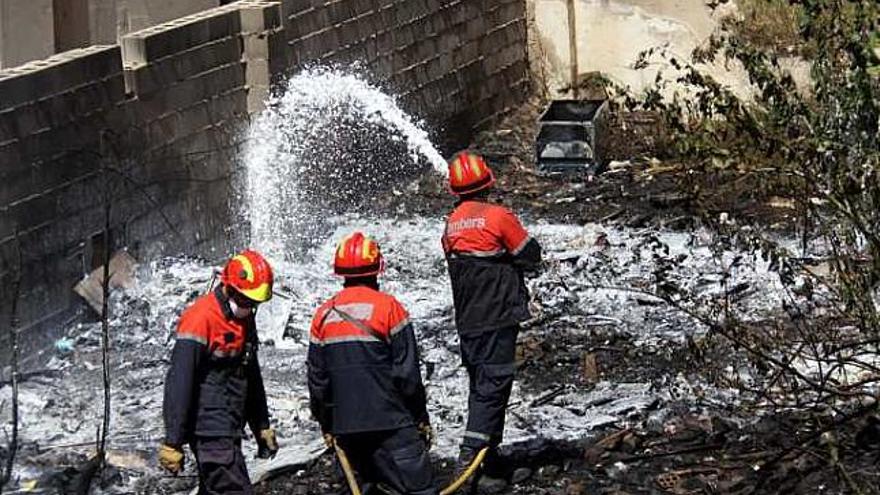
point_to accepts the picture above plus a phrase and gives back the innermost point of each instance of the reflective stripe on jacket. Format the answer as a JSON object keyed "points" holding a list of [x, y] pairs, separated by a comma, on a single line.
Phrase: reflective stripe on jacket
{"points": [[363, 364], [214, 384], [486, 250]]}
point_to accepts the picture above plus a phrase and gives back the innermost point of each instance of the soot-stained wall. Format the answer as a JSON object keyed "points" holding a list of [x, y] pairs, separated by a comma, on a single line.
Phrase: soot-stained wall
{"points": [[159, 119]]}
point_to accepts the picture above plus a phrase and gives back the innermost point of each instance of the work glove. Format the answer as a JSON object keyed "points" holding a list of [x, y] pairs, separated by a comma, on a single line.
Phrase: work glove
{"points": [[427, 434], [267, 444], [171, 458], [328, 440]]}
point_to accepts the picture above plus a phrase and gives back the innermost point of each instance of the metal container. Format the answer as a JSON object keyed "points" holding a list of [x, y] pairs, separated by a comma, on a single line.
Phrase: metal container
{"points": [[570, 137]]}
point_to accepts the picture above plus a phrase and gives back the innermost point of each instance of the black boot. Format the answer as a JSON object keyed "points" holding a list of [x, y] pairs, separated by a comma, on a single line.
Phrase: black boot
{"points": [[466, 457], [494, 473]]}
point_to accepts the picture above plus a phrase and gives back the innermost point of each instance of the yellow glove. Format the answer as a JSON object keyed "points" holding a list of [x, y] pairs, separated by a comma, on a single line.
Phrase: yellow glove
{"points": [[328, 440], [171, 458], [427, 434], [267, 444]]}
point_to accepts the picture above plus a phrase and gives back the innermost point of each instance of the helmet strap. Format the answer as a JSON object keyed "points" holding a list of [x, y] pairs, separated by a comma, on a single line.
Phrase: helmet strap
{"points": [[239, 311]]}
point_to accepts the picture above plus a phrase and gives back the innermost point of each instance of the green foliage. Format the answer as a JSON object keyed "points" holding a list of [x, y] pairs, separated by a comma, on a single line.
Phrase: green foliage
{"points": [[819, 145]]}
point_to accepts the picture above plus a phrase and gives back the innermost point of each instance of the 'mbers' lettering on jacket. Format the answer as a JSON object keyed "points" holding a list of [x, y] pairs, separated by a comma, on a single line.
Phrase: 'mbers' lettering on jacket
{"points": [[465, 223], [483, 230]]}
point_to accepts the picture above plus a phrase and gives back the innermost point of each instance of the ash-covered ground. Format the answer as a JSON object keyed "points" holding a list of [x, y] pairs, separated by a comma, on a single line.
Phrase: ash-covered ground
{"points": [[618, 391], [599, 353]]}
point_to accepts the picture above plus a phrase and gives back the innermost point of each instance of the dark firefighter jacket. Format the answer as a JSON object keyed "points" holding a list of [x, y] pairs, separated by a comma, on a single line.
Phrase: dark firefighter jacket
{"points": [[214, 384], [487, 250], [363, 364]]}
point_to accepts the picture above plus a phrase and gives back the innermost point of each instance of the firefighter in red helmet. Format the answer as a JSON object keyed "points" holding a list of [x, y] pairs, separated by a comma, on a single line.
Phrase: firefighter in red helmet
{"points": [[365, 385], [487, 250], [214, 385]]}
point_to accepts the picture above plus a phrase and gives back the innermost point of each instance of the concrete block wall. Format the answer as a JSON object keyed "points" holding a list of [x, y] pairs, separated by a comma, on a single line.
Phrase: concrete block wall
{"points": [[460, 64], [34, 29], [52, 113], [26, 31], [166, 106]]}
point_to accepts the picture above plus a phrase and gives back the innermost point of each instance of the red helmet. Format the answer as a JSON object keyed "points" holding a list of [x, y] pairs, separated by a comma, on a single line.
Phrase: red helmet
{"points": [[250, 274], [469, 173], [358, 256]]}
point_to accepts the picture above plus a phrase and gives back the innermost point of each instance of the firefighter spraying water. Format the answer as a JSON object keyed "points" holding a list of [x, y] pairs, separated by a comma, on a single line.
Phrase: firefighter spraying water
{"points": [[487, 250]]}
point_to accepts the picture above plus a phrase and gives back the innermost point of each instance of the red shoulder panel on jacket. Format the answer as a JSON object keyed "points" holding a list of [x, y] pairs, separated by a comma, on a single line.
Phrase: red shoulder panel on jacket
{"points": [[483, 230]]}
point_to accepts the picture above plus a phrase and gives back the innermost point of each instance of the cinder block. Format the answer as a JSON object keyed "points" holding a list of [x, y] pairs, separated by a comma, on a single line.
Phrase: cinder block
{"points": [[466, 53], [291, 8], [329, 41], [256, 99], [427, 49], [439, 22], [510, 11], [257, 17], [165, 129], [33, 210], [10, 157], [194, 118], [308, 22], [58, 73], [255, 47], [164, 40], [257, 73], [386, 17], [361, 7], [7, 129], [403, 36], [437, 67], [148, 78], [460, 13], [448, 42], [382, 67], [370, 49], [384, 43], [228, 104], [348, 34], [277, 52]]}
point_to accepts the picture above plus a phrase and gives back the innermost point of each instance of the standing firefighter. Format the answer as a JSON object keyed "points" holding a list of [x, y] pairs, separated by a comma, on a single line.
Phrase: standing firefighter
{"points": [[487, 250], [364, 381], [214, 385]]}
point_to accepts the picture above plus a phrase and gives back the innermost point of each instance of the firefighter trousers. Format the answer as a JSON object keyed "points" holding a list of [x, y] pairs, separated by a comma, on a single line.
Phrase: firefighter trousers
{"points": [[397, 459], [221, 466], [489, 358]]}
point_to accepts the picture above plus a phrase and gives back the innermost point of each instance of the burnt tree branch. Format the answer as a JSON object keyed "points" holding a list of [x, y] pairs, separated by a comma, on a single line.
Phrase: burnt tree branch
{"points": [[6, 475]]}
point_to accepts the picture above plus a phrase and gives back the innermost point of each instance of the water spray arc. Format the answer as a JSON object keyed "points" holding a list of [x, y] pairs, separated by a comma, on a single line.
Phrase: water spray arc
{"points": [[322, 147]]}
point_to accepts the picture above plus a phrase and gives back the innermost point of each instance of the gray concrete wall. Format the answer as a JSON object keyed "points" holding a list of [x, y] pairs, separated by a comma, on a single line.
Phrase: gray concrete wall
{"points": [[166, 106], [26, 31], [163, 109], [458, 62], [35, 29]]}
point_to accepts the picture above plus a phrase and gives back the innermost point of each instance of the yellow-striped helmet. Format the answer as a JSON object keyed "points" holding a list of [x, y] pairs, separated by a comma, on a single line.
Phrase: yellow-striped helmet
{"points": [[250, 274], [468, 173], [357, 256]]}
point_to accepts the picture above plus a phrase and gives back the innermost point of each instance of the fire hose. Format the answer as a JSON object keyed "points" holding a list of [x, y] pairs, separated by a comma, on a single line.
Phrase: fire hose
{"points": [[346, 468], [455, 485]]}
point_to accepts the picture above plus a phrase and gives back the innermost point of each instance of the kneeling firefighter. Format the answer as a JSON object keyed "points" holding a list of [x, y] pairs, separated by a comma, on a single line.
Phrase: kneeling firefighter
{"points": [[487, 252], [214, 385], [364, 380]]}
